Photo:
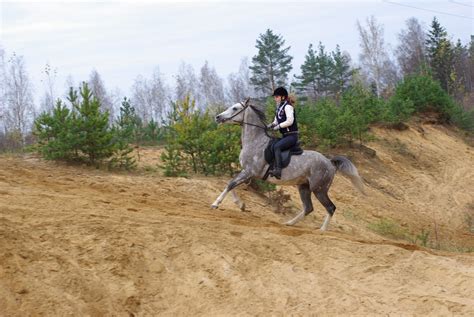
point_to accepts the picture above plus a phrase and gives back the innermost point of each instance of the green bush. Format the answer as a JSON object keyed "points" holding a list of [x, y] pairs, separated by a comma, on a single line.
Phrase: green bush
{"points": [[55, 134], [398, 109], [322, 123], [421, 93], [195, 143], [359, 108], [327, 124], [388, 227], [425, 93], [173, 161], [151, 133], [461, 118]]}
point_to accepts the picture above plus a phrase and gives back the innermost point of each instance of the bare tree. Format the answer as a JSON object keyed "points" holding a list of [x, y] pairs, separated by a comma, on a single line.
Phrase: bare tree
{"points": [[18, 110], [150, 97], [375, 61], [2, 89], [116, 97], [49, 97], [186, 82], [239, 86], [160, 95], [97, 87], [411, 50], [140, 98], [211, 89], [69, 83]]}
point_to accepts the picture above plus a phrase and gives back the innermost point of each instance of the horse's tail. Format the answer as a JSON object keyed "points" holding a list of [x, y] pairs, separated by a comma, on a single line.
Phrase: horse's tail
{"points": [[345, 166]]}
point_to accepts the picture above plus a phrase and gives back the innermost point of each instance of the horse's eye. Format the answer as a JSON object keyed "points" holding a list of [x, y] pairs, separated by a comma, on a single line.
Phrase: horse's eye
{"points": [[234, 108]]}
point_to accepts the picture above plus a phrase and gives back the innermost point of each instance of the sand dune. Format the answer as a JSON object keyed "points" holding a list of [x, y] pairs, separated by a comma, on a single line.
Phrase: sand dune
{"points": [[78, 241]]}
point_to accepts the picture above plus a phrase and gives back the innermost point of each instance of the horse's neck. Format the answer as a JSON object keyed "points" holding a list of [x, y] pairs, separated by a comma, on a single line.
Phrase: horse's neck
{"points": [[253, 136]]}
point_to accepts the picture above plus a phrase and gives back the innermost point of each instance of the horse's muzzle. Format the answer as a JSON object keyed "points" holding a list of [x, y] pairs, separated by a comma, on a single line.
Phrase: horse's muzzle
{"points": [[219, 119]]}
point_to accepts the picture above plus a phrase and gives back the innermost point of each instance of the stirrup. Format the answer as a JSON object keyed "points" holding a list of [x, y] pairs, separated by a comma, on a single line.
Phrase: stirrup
{"points": [[276, 173]]}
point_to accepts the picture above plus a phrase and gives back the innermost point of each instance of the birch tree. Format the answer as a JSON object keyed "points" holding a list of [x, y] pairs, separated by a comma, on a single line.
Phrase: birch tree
{"points": [[239, 86], [211, 88], [3, 99], [49, 96], [18, 109], [411, 50], [374, 59], [98, 89], [186, 83], [150, 97]]}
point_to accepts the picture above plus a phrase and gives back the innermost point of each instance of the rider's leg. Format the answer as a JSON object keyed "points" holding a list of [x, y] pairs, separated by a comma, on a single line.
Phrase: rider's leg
{"points": [[283, 144]]}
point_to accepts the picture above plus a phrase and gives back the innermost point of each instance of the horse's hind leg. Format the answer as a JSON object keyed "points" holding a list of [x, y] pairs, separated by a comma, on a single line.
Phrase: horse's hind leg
{"points": [[238, 201], [322, 196], [305, 195]]}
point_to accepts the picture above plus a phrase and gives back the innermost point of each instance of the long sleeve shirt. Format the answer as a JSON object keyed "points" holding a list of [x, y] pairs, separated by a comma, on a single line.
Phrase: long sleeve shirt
{"points": [[290, 117]]}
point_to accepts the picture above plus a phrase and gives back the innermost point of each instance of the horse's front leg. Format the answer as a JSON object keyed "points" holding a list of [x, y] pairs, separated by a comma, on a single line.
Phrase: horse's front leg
{"points": [[236, 181]]}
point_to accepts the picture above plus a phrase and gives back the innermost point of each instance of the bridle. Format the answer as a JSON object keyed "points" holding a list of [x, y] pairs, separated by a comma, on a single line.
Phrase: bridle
{"points": [[244, 107]]}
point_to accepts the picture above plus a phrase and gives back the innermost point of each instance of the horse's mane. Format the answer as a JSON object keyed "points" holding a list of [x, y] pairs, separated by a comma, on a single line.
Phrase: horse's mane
{"points": [[260, 113]]}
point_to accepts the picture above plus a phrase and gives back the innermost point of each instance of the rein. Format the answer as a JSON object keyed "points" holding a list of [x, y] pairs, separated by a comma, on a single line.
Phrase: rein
{"points": [[251, 124]]}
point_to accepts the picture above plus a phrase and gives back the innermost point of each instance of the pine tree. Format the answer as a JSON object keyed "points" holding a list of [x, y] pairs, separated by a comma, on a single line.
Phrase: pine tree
{"points": [[359, 108], [317, 73], [326, 71], [54, 133], [470, 81], [195, 143], [306, 83], [440, 53], [126, 131], [271, 65], [460, 72], [95, 138], [342, 72], [129, 122], [83, 133]]}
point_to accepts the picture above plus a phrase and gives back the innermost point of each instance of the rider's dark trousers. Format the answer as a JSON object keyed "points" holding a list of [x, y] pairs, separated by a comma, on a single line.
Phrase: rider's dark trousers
{"points": [[283, 144]]}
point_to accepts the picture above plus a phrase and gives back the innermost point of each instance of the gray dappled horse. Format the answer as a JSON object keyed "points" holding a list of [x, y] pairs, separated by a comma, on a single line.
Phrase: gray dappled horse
{"points": [[311, 171]]}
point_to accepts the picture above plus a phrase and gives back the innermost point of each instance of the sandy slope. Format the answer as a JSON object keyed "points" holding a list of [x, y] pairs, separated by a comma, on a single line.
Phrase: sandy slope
{"points": [[75, 241]]}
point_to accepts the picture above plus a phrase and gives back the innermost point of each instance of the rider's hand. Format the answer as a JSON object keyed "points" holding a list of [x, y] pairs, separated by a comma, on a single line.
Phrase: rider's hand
{"points": [[276, 127], [270, 126]]}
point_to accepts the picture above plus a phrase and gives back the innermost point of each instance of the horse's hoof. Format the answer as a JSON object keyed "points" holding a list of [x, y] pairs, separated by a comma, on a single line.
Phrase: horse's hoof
{"points": [[242, 207], [288, 223], [214, 206]]}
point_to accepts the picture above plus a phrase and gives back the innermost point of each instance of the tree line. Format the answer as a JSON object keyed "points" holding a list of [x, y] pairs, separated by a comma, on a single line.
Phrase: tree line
{"points": [[338, 100]]}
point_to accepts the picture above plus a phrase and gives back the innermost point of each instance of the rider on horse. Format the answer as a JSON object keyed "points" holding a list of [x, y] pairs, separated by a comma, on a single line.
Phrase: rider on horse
{"points": [[285, 121]]}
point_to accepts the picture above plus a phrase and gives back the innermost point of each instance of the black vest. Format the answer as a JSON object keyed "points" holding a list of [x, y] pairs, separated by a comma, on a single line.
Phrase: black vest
{"points": [[281, 117]]}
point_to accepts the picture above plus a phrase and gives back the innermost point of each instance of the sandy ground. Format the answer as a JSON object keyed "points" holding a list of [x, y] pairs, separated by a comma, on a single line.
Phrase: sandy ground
{"points": [[78, 241]]}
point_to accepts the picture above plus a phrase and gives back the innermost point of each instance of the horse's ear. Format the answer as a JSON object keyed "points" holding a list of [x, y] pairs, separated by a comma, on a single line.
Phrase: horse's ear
{"points": [[247, 101]]}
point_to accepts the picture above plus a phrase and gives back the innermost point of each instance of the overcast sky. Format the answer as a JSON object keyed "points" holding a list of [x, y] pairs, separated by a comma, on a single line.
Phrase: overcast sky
{"points": [[122, 39]]}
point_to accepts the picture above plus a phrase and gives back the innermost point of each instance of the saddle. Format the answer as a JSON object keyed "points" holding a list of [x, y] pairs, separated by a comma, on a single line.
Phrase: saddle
{"points": [[285, 155]]}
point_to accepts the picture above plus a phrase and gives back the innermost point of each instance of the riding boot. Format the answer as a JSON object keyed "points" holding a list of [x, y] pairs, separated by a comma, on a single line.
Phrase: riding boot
{"points": [[277, 170]]}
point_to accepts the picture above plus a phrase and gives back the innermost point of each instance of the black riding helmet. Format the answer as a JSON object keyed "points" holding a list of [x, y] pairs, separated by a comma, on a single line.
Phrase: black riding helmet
{"points": [[280, 91]]}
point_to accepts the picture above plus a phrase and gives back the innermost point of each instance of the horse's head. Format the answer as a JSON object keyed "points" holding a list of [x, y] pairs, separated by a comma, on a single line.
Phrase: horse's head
{"points": [[234, 114]]}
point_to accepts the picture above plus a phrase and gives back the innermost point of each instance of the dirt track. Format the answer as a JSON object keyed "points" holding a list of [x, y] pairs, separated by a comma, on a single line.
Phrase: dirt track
{"points": [[76, 241]]}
